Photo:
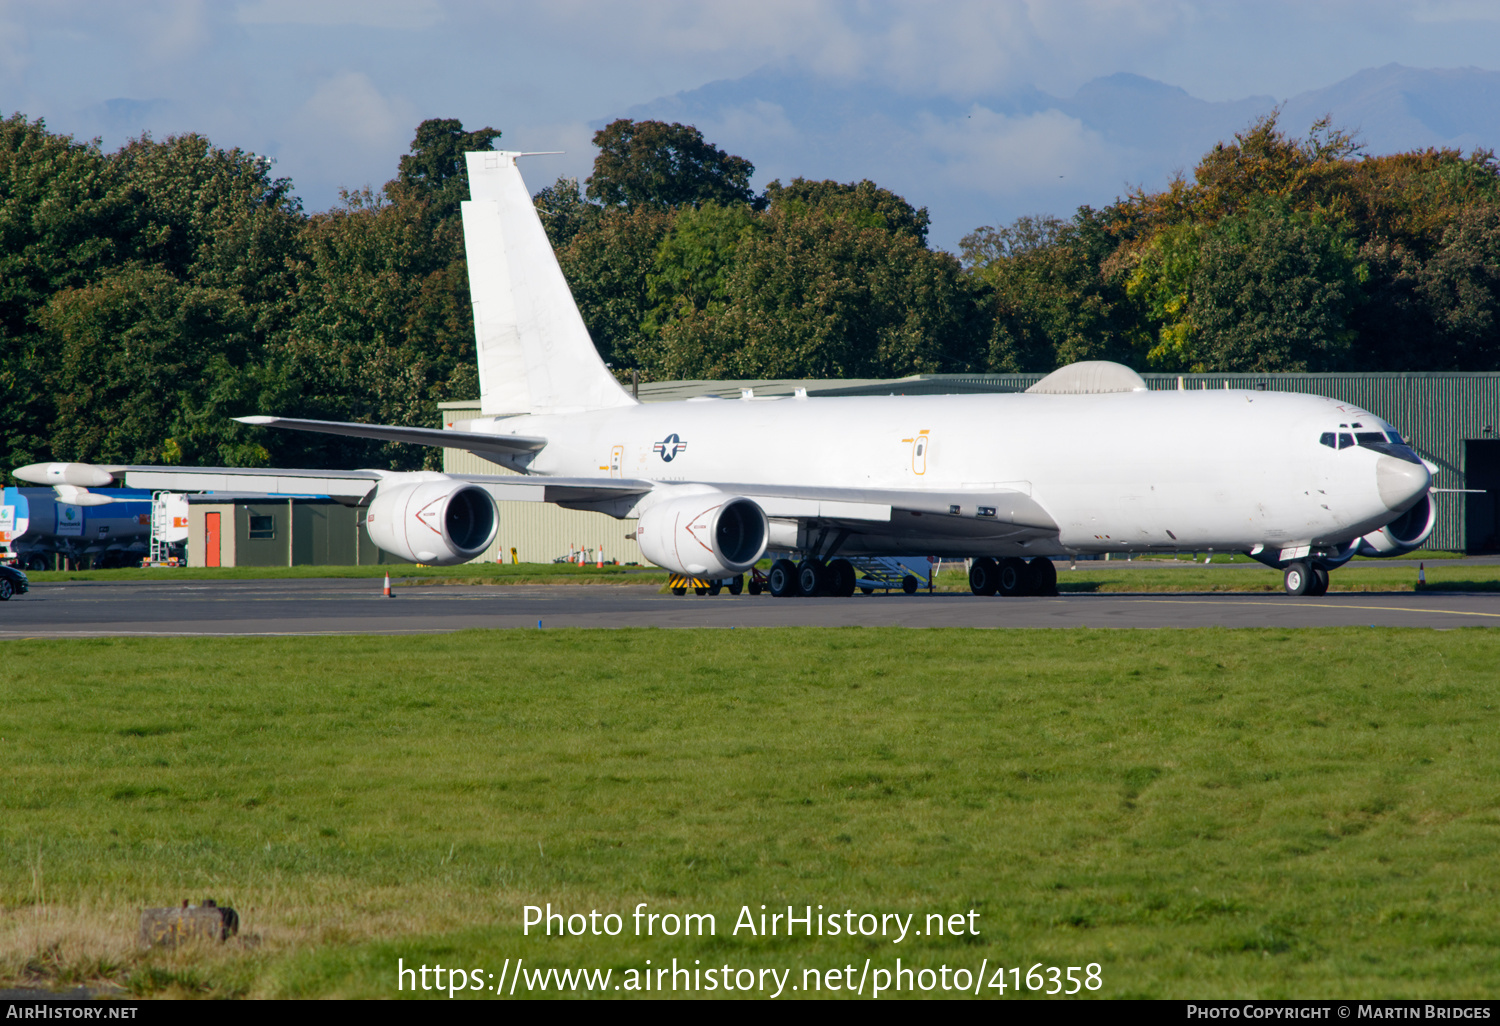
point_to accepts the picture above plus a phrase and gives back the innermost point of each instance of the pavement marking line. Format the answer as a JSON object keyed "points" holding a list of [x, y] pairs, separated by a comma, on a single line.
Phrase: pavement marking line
{"points": [[1322, 605]]}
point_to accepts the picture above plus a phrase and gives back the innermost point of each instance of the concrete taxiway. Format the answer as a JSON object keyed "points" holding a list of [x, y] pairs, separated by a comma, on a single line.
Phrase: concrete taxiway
{"points": [[270, 608]]}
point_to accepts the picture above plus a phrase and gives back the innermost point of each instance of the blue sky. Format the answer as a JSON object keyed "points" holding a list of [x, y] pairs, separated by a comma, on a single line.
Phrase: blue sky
{"points": [[333, 88]]}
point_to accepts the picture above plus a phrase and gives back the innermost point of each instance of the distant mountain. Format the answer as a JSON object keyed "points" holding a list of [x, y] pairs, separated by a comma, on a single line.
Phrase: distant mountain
{"points": [[989, 159]]}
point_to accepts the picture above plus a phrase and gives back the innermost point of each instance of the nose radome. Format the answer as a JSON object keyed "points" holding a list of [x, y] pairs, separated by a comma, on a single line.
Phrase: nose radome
{"points": [[1401, 483]]}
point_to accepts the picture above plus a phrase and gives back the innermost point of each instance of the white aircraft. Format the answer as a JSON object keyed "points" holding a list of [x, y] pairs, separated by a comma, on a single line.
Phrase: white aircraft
{"points": [[1088, 460]]}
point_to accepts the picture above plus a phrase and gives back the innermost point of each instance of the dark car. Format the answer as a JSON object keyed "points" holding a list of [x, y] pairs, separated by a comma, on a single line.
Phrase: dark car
{"points": [[12, 582]]}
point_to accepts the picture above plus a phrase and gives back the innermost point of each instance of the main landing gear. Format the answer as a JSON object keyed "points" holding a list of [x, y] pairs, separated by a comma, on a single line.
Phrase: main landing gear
{"points": [[812, 577], [1013, 576], [1305, 579]]}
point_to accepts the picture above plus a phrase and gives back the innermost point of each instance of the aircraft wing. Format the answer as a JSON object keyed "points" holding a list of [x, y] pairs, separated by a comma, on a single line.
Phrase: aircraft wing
{"points": [[1003, 505], [474, 441], [357, 484]]}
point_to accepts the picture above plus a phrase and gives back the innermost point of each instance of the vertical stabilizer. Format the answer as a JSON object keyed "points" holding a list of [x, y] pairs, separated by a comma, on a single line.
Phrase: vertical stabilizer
{"points": [[535, 355]]}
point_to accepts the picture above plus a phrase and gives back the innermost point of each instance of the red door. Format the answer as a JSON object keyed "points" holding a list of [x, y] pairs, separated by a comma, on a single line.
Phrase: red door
{"points": [[211, 539]]}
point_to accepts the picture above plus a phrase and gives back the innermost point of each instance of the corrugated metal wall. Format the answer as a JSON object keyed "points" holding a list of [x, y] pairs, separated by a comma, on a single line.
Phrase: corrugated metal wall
{"points": [[1436, 413]]}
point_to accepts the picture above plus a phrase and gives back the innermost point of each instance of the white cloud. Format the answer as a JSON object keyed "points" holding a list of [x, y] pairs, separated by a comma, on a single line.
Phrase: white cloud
{"points": [[1000, 155], [386, 14]]}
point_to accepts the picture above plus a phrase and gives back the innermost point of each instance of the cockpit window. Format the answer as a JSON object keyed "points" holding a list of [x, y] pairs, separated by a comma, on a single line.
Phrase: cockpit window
{"points": [[1396, 437], [1346, 441], [1370, 438], [1327, 438]]}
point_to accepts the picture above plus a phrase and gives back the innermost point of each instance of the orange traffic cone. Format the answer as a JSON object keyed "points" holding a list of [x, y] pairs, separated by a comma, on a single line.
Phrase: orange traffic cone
{"points": [[1421, 573], [387, 584], [599, 565]]}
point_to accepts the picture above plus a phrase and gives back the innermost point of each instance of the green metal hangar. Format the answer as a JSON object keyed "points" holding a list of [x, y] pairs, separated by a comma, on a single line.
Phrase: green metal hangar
{"points": [[1451, 419]]}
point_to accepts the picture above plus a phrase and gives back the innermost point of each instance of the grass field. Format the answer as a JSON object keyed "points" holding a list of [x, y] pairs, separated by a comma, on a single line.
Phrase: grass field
{"points": [[477, 573], [1092, 576], [1203, 813]]}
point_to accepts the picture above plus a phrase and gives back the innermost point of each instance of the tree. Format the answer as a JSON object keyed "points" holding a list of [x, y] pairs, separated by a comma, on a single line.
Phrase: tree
{"points": [[608, 267], [1050, 304], [1273, 291], [382, 328], [865, 204], [654, 164], [435, 170], [148, 369], [564, 212], [814, 296]]}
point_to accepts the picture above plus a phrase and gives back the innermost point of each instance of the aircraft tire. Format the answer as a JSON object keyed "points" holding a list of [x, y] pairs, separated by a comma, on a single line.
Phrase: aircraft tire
{"points": [[984, 576], [1043, 576], [812, 579], [867, 591], [736, 584], [679, 591], [1319, 583], [1015, 577], [783, 578], [909, 584], [1297, 578], [841, 578], [714, 587], [754, 587]]}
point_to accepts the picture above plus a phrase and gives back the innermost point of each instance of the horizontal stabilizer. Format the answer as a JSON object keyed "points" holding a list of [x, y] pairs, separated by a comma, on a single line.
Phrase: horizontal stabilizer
{"points": [[473, 441]]}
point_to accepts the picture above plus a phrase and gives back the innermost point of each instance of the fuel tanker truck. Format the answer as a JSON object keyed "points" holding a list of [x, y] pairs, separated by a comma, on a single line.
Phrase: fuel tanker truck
{"points": [[37, 526]]}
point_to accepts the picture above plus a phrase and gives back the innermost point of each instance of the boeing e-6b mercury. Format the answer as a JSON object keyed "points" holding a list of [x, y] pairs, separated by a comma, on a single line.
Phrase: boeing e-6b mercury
{"points": [[1088, 460]]}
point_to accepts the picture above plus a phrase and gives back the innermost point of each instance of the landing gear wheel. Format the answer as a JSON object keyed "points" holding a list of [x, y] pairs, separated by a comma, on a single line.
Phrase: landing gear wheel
{"points": [[1015, 578], [783, 578], [700, 591], [714, 587], [866, 591], [1043, 576], [1297, 578], [909, 584], [737, 584], [679, 591], [812, 578], [984, 576], [1319, 583], [841, 578], [6, 589], [755, 587]]}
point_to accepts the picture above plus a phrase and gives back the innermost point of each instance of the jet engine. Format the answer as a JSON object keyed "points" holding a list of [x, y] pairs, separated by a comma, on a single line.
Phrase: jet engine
{"points": [[442, 522], [1405, 533], [710, 535]]}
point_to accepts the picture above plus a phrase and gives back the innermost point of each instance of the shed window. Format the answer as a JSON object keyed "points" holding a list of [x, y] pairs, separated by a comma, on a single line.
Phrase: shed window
{"points": [[262, 527]]}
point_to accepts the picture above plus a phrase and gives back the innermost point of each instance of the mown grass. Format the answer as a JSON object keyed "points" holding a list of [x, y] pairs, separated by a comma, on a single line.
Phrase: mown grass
{"points": [[1090, 576], [475, 573], [1204, 813], [1100, 578]]}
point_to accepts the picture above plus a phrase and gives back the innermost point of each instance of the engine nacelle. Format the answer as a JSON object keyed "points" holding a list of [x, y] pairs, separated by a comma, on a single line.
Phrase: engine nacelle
{"points": [[441, 522], [1404, 534], [710, 535]]}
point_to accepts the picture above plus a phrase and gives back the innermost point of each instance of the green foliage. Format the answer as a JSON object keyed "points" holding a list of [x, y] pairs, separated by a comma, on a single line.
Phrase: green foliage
{"points": [[865, 204], [608, 267], [434, 169], [1050, 304], [812, 295], [654, 164]]}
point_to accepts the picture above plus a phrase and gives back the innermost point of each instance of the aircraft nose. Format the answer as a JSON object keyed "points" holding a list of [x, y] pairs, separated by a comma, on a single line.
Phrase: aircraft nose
{"points": [[1401, 483]]}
